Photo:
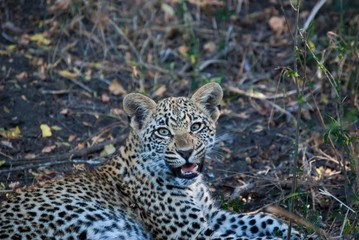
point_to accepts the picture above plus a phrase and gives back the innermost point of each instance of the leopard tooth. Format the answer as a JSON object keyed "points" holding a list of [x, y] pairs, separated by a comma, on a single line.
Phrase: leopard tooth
{"points": [[194, 170], [185, 173]]}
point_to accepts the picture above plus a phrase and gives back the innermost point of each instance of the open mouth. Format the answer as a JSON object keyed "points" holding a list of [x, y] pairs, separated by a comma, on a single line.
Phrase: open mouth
{"points": [[188, 170]]}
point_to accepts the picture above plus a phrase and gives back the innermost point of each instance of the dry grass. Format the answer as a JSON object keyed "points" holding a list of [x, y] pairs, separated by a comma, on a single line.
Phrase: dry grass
{"points": [[291, 95]]}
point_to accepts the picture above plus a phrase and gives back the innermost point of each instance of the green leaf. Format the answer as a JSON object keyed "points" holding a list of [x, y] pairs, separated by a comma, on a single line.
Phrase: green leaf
{"points": [[292, 74], [300, 99], [296, 194]]}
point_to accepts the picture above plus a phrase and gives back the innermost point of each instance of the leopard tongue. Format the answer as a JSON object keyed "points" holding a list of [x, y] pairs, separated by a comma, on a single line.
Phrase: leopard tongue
{"points": [[189, 168]]}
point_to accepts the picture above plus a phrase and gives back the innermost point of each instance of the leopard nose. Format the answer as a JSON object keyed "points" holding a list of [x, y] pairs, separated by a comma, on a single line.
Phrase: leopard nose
{"points": [[186, 154]]}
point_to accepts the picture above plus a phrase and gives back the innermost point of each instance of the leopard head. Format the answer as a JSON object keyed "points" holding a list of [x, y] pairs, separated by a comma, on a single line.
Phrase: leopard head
{"points": [[176, 134]]}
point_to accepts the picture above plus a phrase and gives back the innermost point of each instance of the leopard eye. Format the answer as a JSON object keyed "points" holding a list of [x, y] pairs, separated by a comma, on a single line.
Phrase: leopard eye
{"points": [[164, 132], [195, 127]]}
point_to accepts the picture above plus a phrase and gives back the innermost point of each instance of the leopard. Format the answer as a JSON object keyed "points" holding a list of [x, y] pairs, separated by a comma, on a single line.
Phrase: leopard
{"points": [[152, 188]]}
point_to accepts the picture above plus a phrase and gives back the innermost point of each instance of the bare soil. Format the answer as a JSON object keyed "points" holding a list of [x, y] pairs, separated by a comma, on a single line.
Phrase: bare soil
{"points": [[69, 65]]}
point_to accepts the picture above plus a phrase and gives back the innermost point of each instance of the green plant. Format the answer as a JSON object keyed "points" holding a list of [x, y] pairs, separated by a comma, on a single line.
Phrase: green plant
{"points": [[235, 205], [331, 55]]}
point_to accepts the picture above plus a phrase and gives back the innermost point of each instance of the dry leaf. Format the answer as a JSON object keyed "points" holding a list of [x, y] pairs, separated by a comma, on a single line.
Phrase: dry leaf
{"points": [[116, 111], [65, 144], [60, 5], [134, 72], [79, 167], [183, 50], [100, 18], [128, 57], [210, 47], [277, 24], [56, 128], [108, 150], [13, 185], [6, 110], [21, 76], [67, 74], [35, 174], [71, 138], [80, 146], [29, 156], [150, 58], [41, 39], [6, 144], [45, 130], [65, 111], [15, 133], [23, 97], [86, 124], [48, 149], [207, 3], [159, 92], [96, 139], [47, 171], [168, 10], [105, 98], [24, 39], [306, 114], [88, 75], [116, 88], [3, 132], [11, 133]]}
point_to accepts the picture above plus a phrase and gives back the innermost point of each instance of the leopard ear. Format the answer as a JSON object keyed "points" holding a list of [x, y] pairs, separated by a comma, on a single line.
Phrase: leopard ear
{"points": [[208, 97], [138, 107]]}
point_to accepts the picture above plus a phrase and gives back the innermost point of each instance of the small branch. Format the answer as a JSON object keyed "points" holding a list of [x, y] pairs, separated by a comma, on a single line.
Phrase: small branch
{"points": [[261, 96], [209, 62], [282, 110], [93, 162], [326, 193], [278, 211], [216, 58], [298, 122], [80, 84], [133, 48], [58, 159], [55, 92], [312, 14], [344, 223]]}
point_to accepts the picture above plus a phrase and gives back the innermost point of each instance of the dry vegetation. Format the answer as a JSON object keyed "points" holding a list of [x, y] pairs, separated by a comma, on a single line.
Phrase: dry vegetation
{"points": [[289, 126]]}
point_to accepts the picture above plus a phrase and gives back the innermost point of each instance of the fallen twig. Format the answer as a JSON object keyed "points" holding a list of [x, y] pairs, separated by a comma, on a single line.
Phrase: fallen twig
{"points": [[93, 162], [290, 216], [55, 92], [80, 84], [133, 48], [57, 159], [326, 193], [261, 96]]}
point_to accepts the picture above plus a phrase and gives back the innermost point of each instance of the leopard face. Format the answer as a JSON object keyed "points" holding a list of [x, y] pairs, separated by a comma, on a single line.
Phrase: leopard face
{"points": [[180, 137], [175, 135]]}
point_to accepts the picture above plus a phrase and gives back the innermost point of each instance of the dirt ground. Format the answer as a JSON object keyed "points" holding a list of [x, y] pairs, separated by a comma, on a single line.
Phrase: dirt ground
{"points": [[66, 65]]}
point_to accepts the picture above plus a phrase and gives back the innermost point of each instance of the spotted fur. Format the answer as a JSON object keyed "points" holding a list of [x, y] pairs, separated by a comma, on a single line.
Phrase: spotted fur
{"points": [[152, 189]]}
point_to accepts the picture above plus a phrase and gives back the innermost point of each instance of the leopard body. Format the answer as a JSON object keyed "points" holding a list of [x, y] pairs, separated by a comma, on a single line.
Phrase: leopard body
{"points": [[152, 189]]}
